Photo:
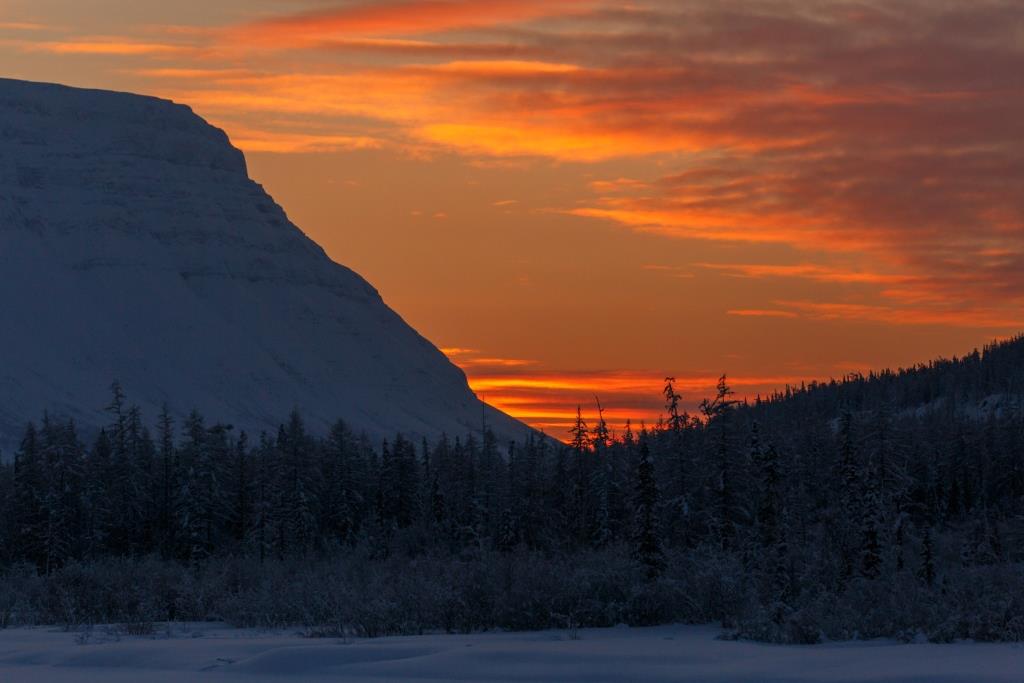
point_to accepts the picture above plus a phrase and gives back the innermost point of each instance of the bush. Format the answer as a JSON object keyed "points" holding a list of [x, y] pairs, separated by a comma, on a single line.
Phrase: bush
{"points": [[352, 593]]}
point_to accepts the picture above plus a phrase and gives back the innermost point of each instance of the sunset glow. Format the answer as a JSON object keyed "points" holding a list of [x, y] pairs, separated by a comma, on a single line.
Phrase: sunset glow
{"points": [[580, 197]]}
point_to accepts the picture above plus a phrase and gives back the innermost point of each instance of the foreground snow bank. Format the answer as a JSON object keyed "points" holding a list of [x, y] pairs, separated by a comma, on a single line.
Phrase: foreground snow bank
{"points": [[667, 653]]}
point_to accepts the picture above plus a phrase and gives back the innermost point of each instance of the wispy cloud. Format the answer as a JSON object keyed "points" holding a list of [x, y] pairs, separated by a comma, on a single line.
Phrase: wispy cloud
{"points": [[456, 351], [808, 271], [859, 161], [762, 313], [549, 400], [255, 140], [942, 316], [876, 133], [110, 46], [413, 17], [21, 26]]}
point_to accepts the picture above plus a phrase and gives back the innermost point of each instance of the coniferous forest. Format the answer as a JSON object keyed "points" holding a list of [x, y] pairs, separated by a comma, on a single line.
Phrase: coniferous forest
{"points": [[882, 505]]}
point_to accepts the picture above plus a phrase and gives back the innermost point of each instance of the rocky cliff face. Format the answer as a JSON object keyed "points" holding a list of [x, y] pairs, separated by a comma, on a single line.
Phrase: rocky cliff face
{"points": [[134, 247]]}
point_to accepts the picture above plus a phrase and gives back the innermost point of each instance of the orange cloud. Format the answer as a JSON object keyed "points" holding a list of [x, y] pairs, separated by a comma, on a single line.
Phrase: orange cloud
{"points": [[618, 185], [452, 351], [805, 130], [21, 26], [496, 362], [189, 74], [503, 67], [784, 127], [472, 358], [400, 18], [113, 46], [761, 313], [950, 317], [548, 400], [807, 271], [284, 142]]}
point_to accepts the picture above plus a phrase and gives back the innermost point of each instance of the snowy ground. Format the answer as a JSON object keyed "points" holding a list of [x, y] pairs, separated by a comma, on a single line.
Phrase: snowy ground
{"points": [[670, 653]]}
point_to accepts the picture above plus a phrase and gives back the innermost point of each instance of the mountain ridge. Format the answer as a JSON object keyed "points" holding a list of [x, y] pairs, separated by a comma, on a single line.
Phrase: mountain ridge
{"points": [[134, 247]]}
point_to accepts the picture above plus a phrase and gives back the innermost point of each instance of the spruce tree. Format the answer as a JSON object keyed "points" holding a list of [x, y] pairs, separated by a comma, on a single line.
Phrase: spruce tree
{"points": [[927, 570], [297, 507], [578, 513], [101, 519], [342, 499], [7, 522], [717, 413], [62, 457], [850, 515], [29, 515], [600, 482], [167, 483], [241, 509], [646, 543], [871, 552]]}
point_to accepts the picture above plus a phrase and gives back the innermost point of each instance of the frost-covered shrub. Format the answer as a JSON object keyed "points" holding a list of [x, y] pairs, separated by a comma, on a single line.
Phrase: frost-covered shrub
{"points": [[988, 602], [352, 592], [655, 602], [528, 602], [716, 582], [779, 623], [19, 587]]}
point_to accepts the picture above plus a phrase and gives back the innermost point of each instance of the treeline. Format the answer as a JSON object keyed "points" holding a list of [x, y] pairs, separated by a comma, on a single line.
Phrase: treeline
{"points": [[981, 381], [888, 505]]}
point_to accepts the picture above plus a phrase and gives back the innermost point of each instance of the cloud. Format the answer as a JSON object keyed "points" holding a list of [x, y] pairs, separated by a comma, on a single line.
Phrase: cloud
{"points": [[492, 363], [255, 140], [548, 400], [945, 316], [196, 73], [670, 271], [474, 358], [762, 313], [453, 351], [808, 271], [414, 17], [112, 46], [21, 26], [420, 49], [618, 185], [885, 137], [887, 134], [503, 67]]}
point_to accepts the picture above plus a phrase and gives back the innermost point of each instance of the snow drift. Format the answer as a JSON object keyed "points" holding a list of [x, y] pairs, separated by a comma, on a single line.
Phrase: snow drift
{"points": [[676, 654]]}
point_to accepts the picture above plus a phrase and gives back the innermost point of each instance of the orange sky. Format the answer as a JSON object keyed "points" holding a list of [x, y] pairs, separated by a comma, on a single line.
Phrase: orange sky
{"points": [[577, 198]]}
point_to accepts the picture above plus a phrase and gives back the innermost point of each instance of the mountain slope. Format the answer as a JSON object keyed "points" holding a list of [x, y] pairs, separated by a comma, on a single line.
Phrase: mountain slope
{"points": [[975, 386], [134, 246]]}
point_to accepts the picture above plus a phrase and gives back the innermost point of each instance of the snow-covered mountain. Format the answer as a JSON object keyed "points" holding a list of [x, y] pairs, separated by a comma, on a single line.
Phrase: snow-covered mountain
{"points": [[134, 246]]}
